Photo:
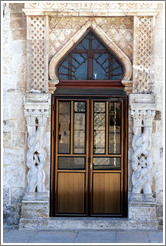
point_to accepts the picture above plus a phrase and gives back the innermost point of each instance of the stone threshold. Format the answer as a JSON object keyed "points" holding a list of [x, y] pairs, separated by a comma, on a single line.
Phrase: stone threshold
{"points": [[81, 223]]}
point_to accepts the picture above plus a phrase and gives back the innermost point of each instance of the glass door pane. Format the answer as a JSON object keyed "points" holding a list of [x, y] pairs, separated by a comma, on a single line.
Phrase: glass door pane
{"points": [[99, 128], [64, 127], [114, 127], [79, 127]]}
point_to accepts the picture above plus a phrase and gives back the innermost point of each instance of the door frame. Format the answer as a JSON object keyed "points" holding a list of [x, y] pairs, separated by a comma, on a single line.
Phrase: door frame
{"points": [[53, 169]]}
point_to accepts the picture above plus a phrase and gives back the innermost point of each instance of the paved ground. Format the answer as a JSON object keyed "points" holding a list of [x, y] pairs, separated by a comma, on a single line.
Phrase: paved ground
{"points": [[82, 236]]}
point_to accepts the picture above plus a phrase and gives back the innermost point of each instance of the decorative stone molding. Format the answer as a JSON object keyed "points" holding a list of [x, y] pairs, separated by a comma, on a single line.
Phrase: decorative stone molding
{"points": [[90, 9], [143, 112], [143, 54], [36, 110], [128, 86], [118, 29], [120, 54], [37, 51]]}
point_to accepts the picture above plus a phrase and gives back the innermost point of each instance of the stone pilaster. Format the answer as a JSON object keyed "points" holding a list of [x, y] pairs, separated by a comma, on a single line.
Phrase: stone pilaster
{"points": [[36, 110], [143, 112], [35, 203], [142, 205]]}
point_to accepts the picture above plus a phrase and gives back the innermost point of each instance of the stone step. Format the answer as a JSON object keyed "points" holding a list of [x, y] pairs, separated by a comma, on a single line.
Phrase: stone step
{"points": [[58, 223]]}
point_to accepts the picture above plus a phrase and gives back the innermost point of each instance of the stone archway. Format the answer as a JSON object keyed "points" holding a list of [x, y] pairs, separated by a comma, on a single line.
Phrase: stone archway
{"points": [[110, 43], [39, 103]]}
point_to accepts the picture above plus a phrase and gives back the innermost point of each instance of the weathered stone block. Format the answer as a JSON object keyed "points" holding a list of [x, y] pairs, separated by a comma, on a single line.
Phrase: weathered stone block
{"points": [[17, 15], [141, 213], [18, 139], [6, 196], [7, 139], [17, 194], [13, 157], [15, 175], [16, 7], [34, 209], [159, 210], [18, 23], [11, 214], [19, 34]]}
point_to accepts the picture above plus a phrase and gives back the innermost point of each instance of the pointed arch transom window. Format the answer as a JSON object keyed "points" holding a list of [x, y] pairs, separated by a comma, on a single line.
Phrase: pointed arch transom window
{"points": [[90, 59]]}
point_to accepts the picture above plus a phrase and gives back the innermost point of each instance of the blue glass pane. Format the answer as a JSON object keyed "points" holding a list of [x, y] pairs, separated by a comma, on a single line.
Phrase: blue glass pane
{"points": [[96, 44], [98, 72], [84, 44], [80, 64], [63, 70], [105, 64]]}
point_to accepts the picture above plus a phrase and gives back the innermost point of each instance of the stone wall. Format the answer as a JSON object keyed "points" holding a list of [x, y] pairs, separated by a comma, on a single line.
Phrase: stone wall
{"points": [[61, 29], [14, 128]]}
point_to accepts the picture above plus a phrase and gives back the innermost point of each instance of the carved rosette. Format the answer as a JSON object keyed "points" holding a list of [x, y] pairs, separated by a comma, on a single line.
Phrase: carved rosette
{"points": [[36, 113], [143, 115]]}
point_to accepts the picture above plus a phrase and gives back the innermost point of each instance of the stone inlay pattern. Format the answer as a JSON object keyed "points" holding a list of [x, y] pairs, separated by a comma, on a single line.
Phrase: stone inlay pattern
{"points": [[119, 29], [36, 51], [143, 61]]}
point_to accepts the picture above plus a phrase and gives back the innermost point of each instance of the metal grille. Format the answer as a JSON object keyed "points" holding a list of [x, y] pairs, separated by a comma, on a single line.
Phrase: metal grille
{"points": [[90, 60]]}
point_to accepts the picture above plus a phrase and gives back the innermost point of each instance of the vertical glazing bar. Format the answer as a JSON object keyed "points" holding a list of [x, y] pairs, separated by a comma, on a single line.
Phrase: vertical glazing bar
{"points": [[107, 126], [72, 127]]}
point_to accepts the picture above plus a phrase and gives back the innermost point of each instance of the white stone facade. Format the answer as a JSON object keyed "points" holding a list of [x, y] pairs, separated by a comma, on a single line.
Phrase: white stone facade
{"points": [[35, 37]]}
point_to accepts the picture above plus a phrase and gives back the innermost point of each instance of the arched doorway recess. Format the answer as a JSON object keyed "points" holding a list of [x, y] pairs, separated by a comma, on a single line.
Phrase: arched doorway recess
{"points": [[89, 132]]}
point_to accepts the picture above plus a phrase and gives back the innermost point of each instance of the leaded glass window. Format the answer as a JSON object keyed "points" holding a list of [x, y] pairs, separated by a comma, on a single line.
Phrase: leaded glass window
{"points": [[90, 59]]}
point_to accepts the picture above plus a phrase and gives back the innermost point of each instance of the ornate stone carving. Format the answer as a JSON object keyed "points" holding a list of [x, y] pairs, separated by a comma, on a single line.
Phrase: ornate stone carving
{"points": [[56, 58], [36, 114], [91, 6], [37, 59], [143, 115], [143, 56], [119, 29]]}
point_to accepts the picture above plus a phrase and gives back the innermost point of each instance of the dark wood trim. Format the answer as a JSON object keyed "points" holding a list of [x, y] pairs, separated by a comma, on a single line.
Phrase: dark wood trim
{"points": [[52, 171], [126, 159], [90, 84]]}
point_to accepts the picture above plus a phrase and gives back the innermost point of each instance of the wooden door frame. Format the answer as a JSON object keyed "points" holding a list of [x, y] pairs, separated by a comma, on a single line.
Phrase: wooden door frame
{"points": [[53, 169]]}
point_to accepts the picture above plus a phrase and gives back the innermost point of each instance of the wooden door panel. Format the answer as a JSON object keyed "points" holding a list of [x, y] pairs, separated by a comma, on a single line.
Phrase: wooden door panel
{"points": [[106, 193], [71, 191], [88, 176]]}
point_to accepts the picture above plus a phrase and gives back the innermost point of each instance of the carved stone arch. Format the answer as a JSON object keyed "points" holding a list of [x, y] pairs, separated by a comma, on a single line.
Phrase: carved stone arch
{"points": [[117, 51]]}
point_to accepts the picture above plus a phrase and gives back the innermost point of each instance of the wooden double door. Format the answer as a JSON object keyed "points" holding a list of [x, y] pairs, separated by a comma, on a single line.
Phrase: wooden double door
{"points": [[89, 159]]}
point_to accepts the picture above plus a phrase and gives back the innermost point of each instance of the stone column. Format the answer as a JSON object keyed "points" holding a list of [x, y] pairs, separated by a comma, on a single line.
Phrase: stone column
{"points": [[142, 206], [36, 113], [143, 115], [35, 204]]}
